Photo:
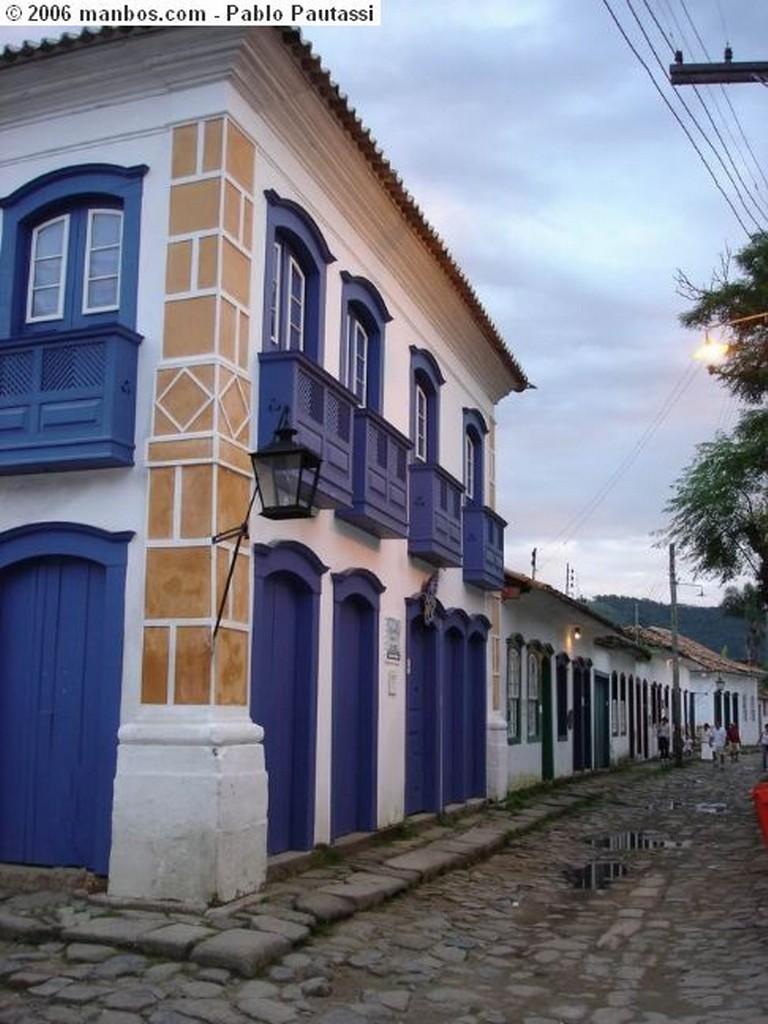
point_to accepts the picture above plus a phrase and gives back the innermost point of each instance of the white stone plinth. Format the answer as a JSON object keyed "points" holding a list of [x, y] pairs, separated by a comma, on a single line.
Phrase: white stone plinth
{"points": [[189, 818]]}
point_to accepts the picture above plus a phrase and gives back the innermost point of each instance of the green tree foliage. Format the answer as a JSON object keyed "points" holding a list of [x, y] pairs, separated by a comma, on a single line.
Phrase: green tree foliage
{"points": [[738, 292], [708, 625], [746, 604], [719, 511]]}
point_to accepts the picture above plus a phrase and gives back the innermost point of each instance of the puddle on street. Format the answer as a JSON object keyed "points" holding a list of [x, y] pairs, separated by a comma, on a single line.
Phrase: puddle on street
{"points": [[596, 875], [711, 808], [634, 841]]}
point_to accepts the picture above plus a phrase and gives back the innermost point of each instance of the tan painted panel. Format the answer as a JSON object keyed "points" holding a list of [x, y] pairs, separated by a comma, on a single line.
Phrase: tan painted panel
{"points": [[184, 157], [154, 665], [178, 583], [231, 667], [241, 590], [240, 157], [178, 270], [233, 455], [233, 494], [208, 262], [232, 201], [235, 272], [227, 327], [194, 206], [247, 238], [190, 327], [212, 138], [180, 450], [161, 487], [196, 501], [244, 340], [193, 665]]}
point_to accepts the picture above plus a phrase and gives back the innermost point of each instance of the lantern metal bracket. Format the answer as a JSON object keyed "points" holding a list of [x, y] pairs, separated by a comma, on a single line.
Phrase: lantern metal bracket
{"points": [[241, 532]]}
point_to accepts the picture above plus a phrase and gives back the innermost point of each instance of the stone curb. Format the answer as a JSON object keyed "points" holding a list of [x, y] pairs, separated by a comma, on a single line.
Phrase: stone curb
{"points": [[249, 934]]}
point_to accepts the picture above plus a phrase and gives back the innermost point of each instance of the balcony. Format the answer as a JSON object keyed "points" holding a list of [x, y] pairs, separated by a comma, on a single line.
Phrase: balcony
{"points": [[68, 401], [483, 547], [380, 477], [435, 522], [320, 409]]}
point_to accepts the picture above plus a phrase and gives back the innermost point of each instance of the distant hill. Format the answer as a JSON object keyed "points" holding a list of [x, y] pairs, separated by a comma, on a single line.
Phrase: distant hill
{"points": [[708, 626]]}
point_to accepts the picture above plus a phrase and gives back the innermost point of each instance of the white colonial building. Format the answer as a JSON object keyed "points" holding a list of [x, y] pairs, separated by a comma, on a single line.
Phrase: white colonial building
{"points": [[202, 244]]}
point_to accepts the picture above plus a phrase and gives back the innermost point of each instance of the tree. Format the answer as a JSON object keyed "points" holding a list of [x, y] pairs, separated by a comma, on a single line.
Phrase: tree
{"points": [[719, 511], [746, 604], [738, 292]]}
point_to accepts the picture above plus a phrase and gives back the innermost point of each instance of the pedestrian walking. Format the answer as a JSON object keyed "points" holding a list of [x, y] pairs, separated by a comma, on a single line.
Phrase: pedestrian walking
{"points": [[707, 741], [734, 741], [719, 740], [662, 737], [764, 746]]}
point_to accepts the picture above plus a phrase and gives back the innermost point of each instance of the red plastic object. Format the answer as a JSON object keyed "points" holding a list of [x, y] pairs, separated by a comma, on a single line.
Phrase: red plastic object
{"points": [[760, 796]]}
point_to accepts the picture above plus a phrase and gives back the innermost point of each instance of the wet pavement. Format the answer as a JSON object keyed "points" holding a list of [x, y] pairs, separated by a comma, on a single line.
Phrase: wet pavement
{"points": [[633, 897]]}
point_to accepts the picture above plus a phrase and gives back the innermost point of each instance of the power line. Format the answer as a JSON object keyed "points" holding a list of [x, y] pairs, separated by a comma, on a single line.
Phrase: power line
{"points": [[677, 117], [701, 131], [676, 392], [726, 96]]}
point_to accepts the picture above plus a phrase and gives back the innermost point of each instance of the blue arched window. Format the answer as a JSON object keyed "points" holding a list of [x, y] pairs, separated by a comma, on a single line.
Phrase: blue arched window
{"points": [[475, 430], [69, 265], [364, 317], [426, 381], [294, 281], [70, 252]]}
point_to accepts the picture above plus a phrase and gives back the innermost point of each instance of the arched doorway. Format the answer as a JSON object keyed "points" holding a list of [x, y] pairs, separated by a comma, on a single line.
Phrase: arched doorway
{"points": [[355, 716], [284, 686], [61, 643]]}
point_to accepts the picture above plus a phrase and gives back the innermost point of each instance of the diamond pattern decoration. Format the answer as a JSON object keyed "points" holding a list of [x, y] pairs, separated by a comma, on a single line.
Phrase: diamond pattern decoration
{"points": [[235, 407], [184, 399]]}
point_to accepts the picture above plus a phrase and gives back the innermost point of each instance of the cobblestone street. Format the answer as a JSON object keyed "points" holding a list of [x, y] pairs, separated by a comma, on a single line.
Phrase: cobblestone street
{"points": [[677, 935]]}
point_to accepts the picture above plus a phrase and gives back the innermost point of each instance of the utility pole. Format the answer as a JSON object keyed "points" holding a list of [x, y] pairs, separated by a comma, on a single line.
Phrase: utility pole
{"points": [[677, 736], [725, 73]]}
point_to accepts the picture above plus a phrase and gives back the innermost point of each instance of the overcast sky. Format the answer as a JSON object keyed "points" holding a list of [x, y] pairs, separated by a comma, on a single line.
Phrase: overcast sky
{"points": [[536, 144]]}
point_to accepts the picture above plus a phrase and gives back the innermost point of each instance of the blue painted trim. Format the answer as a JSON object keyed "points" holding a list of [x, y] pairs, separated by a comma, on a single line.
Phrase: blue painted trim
{"points": [[294, 227], [355, 718], [483, 547], [379, 477], [38, 200], [76, 540], [360, 582], [76, 408], [294, 557], [362, 299], [320, 409], [425, 371], [365, 291], [288, 704], [109, 549], [475, 427]]}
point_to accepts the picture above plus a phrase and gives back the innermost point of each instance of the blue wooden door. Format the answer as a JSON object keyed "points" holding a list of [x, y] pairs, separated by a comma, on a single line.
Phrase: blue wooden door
{"points": [[455, 717], [477, 714], [421, 766], [354, 748], [283, 704], [59, 713]]}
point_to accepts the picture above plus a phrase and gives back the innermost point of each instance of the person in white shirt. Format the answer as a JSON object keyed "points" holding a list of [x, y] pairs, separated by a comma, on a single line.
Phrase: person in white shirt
{"points": [[719, 739]]}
